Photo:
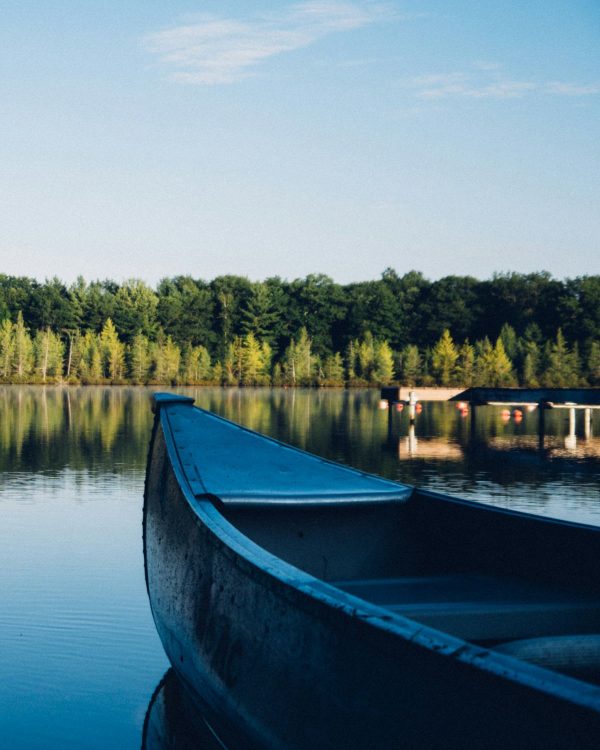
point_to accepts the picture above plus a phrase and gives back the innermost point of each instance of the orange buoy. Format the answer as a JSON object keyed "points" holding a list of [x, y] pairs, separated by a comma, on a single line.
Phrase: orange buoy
{"points": [[399, 406], [505, 414], [419, 408], [462, 405], [517, 415], [464, 411], [383, 404]]}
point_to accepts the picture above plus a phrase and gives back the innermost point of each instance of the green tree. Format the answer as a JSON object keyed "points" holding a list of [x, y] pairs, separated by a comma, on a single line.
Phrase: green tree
{"points": [[186, 311], [87, 358], [112, 351], [196, 365], [492, 366], [333, 370], [443, 359], [530, 355], [134, 310], [299, 362], [562, 366], [259, 315], [509, 341], [7, 349], [352, 360], [465, 364], [593, 364], [256, 360], [366, 357], [48, 352], [383, 371], [140, 358], [410, 365], [23, 350], [503, 374]]}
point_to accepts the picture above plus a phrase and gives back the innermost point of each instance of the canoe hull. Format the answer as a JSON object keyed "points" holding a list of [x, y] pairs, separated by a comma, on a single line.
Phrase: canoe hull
{"points": [[272, 656]]}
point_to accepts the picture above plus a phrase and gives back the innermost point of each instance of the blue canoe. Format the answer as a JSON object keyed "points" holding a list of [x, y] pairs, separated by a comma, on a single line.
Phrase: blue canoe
{"points": [[304, 604]]}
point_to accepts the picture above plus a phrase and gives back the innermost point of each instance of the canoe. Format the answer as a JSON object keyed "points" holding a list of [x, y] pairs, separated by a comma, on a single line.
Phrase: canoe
{"points": [[305, 604]]}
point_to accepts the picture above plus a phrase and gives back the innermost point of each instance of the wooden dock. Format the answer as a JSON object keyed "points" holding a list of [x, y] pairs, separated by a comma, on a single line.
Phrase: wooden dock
{"points": [[587, 399], [548, 398], [572, 399]]}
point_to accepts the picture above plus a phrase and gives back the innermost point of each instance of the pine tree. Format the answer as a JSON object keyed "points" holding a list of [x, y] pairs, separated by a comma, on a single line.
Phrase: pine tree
{"points": [[267, 360], [366, 357], [196, 365], [7, 349], [484, 362], [502, 371], [530, 355], [559, 371], [411, 365], [48, 354], [465, 364], [333, 370], [139, 358], [509, 341], [87, 358], [252, 361], [305, 362], [593, 364], [351, 361], [23, 354], [443, 359], [171, 360], [383, 371], [259, 317], [112, 352]]}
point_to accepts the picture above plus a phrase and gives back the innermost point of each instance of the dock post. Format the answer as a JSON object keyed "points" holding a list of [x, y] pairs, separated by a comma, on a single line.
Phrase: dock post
{"points": [[412, 406], [587, 423], [412, 440], [571, 439], [541, 424]]}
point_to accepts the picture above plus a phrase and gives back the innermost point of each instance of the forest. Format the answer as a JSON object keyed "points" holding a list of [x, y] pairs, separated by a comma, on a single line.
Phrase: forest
{"points": [[511, 329]]}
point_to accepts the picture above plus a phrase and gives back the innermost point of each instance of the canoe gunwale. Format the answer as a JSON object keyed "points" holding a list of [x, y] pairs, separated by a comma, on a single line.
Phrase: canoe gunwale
{"points": [[313, 594]]}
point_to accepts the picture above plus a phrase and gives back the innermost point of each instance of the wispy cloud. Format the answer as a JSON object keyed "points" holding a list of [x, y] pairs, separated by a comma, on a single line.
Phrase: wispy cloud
{"points": [[571, 89], [215, 50], [486, 81]]}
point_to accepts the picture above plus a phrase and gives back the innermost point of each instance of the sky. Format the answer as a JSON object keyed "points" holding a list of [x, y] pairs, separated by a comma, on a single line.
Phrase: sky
{"points": [[146, 139]]}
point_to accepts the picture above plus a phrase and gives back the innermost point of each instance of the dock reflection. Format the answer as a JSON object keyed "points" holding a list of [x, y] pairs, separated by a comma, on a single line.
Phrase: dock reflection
{"points": [[510, 434], [173, 722]]}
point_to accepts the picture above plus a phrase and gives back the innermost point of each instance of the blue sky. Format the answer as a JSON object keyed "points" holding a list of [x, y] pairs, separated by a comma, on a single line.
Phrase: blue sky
{"points": [[147, 139]]}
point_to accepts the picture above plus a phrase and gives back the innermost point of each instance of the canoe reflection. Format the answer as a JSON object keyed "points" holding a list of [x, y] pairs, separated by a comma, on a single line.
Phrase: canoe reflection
{"points": [[173, 723]]}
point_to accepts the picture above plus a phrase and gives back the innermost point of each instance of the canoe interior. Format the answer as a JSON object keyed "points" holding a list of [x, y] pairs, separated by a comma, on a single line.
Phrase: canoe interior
{"points": [[484, 576]]}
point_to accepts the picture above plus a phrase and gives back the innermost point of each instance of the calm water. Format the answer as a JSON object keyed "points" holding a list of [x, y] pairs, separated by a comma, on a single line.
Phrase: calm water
{"points": [[79, 657]]}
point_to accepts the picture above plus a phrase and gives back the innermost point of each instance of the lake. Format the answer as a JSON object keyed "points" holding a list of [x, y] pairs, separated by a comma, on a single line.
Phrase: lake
{"points": [[79, 655]]}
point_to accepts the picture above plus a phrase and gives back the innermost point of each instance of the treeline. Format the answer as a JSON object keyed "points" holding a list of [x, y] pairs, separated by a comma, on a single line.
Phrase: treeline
{"points": [[508, 330]]}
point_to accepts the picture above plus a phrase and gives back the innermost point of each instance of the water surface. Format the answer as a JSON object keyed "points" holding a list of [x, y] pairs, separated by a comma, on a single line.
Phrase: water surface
{"points": [[79, 656]]}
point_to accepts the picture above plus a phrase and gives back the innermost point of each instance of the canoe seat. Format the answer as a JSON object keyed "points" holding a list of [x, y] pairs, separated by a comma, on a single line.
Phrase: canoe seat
{"points": [[482, 608], [575, 655]]}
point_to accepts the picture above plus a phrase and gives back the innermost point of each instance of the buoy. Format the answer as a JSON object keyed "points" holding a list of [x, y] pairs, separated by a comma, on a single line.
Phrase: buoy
{"points": [[462, 405], [517, 415], [383, 404], [399, 406], [464, 411], [419, 408], [505, 414], [531, 407]]}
